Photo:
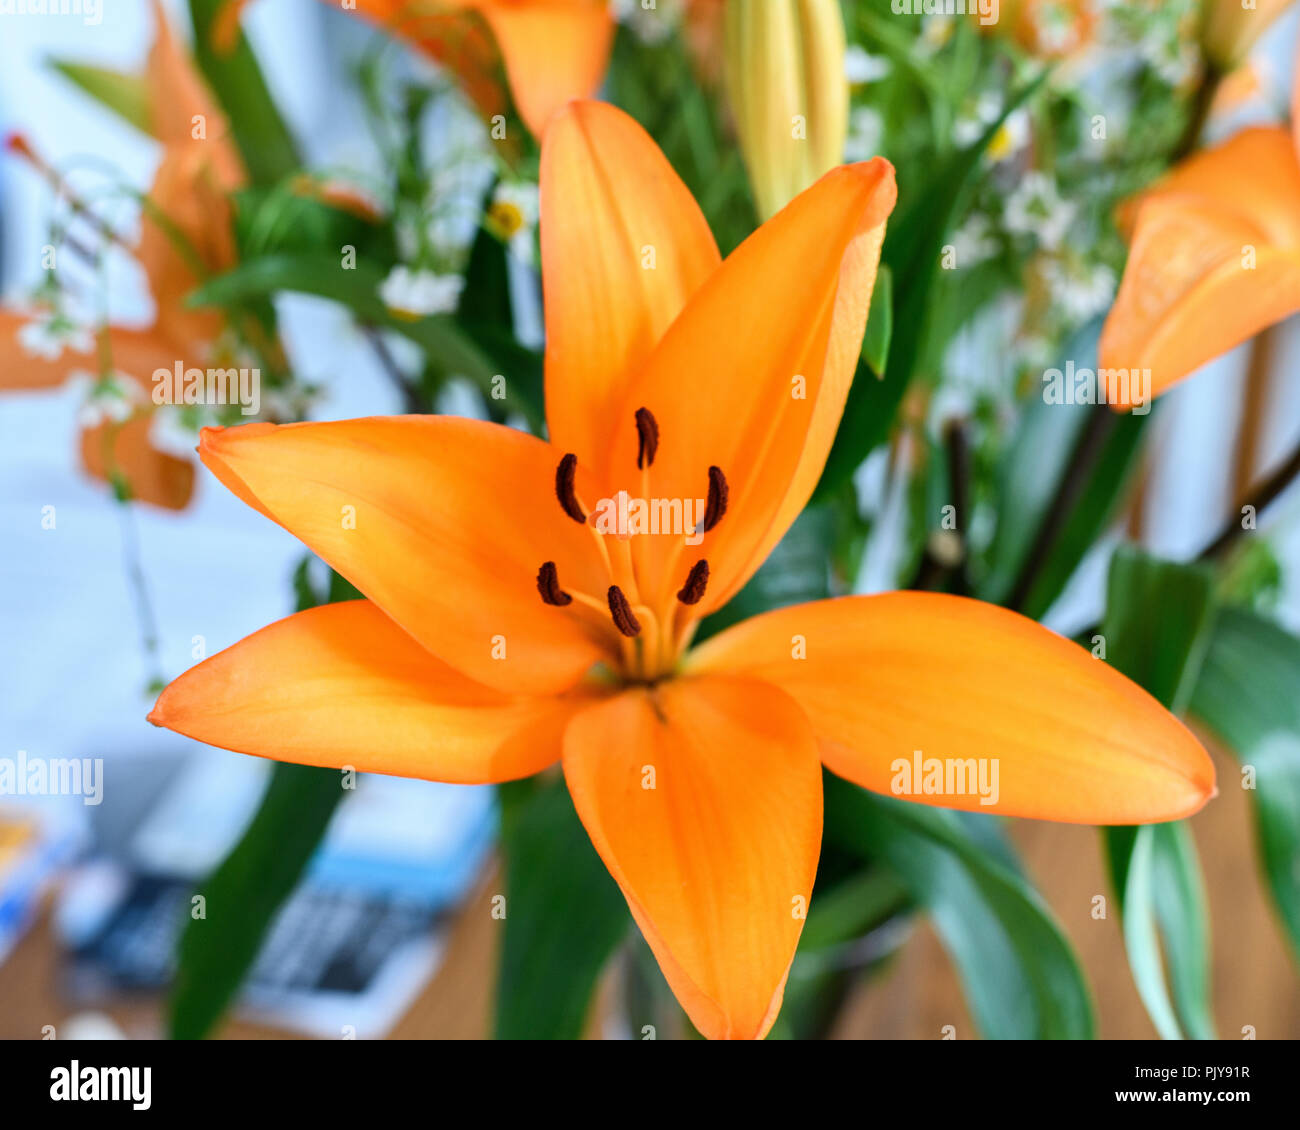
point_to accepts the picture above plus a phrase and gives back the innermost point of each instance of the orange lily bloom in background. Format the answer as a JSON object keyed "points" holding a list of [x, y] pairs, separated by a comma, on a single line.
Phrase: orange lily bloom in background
{"points": [[1215, 258], [552, 50], [507, 626], [1050, 29], [186, 230]]}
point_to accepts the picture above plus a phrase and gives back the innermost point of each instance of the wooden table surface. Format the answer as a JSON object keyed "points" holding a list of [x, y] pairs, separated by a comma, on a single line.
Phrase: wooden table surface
{"points": [[1255, 982]]}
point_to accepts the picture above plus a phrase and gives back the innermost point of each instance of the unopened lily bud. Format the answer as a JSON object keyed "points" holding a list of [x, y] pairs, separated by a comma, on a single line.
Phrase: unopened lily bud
{"points": [[788, 91], [1230, 28]]}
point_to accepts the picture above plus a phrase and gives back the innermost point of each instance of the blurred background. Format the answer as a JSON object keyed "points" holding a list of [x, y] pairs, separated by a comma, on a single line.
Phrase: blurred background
{"points": [[392, 933]]}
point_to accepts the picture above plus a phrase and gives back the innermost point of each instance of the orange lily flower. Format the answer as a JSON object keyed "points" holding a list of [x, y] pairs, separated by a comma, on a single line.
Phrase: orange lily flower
{"points": [[553, 50], [1210, 265], [506, 629], [1051, 29], [109, 449], [186, 233]]}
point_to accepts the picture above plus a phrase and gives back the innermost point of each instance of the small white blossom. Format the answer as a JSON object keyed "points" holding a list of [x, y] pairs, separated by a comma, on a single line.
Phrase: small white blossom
{"points": [[48, 334], [513, 215], [1035, 208], [1011, 137], [1080, 290], [417, 294], [974, 241], [1172, 57], [110, 397], [860, 67]]}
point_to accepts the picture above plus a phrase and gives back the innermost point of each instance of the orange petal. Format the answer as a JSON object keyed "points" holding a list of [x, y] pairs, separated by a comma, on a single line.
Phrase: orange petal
{"points": [[752, 377], [134, 353], [882, 677], [179, 99], [463, 45], [1263, 157], [225, 26], [1199, 282], [186, 236], [609, 199], [123, 451], [342, 685], [443, 523], [20, 368], [554, 50], [704, 799]]}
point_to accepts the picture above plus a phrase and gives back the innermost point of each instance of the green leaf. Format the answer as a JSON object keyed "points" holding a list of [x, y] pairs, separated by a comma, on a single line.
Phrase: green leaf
{"points": [[912, 251], [1157, 879], [486, 297], [831, 953], [236, 79], [1248, 694], [125, 94], [284, 220], [1020, 977], [1037, 459], [880, 322], [243, 895], [444, 341], [564, 915], [1158, 616]]}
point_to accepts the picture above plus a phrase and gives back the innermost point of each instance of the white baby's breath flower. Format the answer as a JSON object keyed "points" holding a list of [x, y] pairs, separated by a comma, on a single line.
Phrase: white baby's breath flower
{"points": [[1011, 137], [1172, 57], [513, 214], [49, 333], [1079, 290], [860, 67], [1035, 208], [110, 397], [974, 241], [417, 294]]}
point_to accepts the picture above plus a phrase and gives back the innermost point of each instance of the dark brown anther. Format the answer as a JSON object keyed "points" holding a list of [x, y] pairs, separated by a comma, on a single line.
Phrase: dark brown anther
{"points": [[716, 506], [692, 592], [565, 473], [647, 438], [619, 608], [548, 584]]}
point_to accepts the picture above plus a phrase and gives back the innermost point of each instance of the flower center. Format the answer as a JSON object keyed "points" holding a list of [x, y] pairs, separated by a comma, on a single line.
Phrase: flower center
{"points": [[507, 217], [650, 630]]}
